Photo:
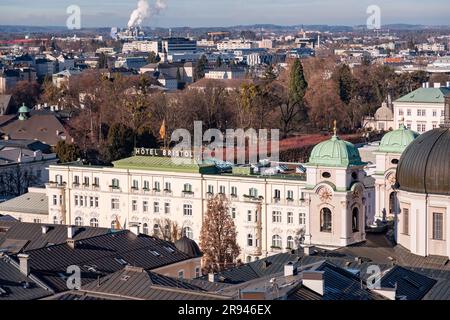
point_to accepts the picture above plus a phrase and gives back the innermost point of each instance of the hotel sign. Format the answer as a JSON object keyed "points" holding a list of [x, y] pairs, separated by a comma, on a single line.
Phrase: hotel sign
{"points": [[163, 153]]}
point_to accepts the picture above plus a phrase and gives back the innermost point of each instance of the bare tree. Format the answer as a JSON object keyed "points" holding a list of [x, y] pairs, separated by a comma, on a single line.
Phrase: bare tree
{"points": [[167, 230], [218, 237]]}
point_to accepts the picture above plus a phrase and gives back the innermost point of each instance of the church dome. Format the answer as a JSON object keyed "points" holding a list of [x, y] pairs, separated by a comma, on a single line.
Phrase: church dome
{"points": [[335, 153], [384, 113], [424, 165], [189, 247], [396, 141]]}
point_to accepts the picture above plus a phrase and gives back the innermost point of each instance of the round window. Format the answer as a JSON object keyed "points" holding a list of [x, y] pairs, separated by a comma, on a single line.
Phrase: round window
{"points": [[394, 161], [355, 175], [326, 175]]}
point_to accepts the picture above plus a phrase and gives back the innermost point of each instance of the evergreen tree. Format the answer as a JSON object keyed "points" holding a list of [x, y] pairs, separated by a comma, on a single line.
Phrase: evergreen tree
{"points": [[103, 61], [120, 142], [219, 62], [153, 57], [345, 82], [67, 152], [297, 87], [199, 71]]}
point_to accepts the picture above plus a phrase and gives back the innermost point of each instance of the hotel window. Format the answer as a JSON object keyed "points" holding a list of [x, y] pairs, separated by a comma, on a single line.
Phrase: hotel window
{"points": [[181, 274], [408, 125], [96, 202], [115, 204], [187, 187], [91, 202], [81, 201], [86, 181], [156, 207], [302, 218], [438, 226], [355, 220], [325, 220], [55, 200], [419, 112], [290, 217], [249, 215], [249, 240], [94, 223], [167, 208], [406, 221], [76, 180], [253, 192], [60, 200], [96, 182], [145, 228], [400, 112], [290, 195], [290, 242], [442, 113], [234, 191], [434, 113], [434, 125], [198, 272], [134, 205], [157, 186], [408, 112], [188, 233], [168, 187], [277, 194], [146, 185], [115, 183], [36, 220], [222, 189], [233, 213], [277, 242], [187, 209], [76, 201], [55, 220], [78, 221], [276, 217], [135, 185], [145, 206], [210, 189]]}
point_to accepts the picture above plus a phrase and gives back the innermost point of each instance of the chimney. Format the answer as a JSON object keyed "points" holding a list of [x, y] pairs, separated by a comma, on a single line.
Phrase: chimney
{"points": [[135, 229], [212, 277], [72, 243], [57, 133], [314, 281], [24, 264], [308, 250], [448, 84], [428, 85], [45, 229], [70, 232], [424, 85], [437, 85], [290, 269]]}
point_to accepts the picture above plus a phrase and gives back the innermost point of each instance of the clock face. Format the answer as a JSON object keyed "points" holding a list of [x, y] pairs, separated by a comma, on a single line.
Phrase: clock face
{"points": [[325, 195]]}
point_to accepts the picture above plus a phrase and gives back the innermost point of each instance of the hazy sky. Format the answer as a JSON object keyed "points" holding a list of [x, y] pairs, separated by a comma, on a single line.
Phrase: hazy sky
{"points": [[197, 13]]}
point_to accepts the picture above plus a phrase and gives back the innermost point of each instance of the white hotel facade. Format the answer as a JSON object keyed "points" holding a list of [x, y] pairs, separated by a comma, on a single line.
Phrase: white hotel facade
{"points": [[329, 206]]}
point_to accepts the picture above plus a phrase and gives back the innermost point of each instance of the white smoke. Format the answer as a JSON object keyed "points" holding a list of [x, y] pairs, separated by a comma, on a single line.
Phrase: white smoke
{"points": [[144, 11]]}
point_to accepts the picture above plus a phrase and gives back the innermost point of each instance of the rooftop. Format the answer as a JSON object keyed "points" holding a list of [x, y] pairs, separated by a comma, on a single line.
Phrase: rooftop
{"points": [[426, 95], [32, 202]]}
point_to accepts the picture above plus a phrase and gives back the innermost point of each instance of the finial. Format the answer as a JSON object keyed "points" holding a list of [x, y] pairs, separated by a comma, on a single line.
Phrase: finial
{"points": [[335, 128]]}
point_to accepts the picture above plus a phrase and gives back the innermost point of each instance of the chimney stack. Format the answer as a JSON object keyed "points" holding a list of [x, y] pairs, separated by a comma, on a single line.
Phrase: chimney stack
{"points": [[437, 85], [424, 85], [24, 262], [290, 269], [212, 277], [135, 229], [72, 243], [448, 84], [70, 232], [314, 281], [308, 250], [45, 229]]}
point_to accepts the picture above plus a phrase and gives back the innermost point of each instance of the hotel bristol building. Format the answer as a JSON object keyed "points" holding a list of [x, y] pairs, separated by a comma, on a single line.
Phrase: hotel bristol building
{"points": [[329, 205]]}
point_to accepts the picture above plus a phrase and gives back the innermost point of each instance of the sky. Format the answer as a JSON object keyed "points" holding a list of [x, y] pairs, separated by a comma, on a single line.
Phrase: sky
{"points": [[215, 13]]}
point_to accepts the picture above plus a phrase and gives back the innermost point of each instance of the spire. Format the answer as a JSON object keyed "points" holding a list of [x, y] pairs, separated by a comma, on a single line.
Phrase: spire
{"points": [[335, 128], [446, 123]]}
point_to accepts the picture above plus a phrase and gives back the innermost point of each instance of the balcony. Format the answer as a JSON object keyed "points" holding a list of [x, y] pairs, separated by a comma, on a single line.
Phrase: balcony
{"points": [[276, 200], [156, 192], [76, 185], [187, 194], [95, 187], [248, 198], [114, 189], [85, 185], [134, 190], [253, 251], [167, 192], [53, 184]]}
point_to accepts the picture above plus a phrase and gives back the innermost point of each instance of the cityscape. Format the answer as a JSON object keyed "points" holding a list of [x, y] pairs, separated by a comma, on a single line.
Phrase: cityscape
{"points": [[266, 158]]}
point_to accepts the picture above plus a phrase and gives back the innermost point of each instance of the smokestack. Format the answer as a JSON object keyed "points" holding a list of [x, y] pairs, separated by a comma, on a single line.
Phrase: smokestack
{"points": [[437, 85], [24, 264], [70, 232], [135, 229], [314, 281], [448, 84], [212, 277], [290, 269], [45, 229]]}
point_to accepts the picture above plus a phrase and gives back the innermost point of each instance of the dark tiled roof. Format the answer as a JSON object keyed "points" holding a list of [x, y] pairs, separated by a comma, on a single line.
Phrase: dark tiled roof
{"points": [[32, 233], [304, 293], [12, 283], [102, 255], [410, 285], [42, 127]]}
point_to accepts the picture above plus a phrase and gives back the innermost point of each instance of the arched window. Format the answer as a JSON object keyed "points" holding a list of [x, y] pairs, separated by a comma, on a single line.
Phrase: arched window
{"points": [[78, 221], [188, 233], [355, 220], [55, 220], [277, 242], [250, 240], [156, 229], [248, 259], [325, 220], [145, 228], [392, 203], [113, 225], [187, 187], [290, 242], [94, 223]]}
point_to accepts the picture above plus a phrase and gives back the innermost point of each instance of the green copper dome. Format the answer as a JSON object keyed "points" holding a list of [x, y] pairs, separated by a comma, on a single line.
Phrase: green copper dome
{"points": [[396, 141], [335, 153], [24, 109]]}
